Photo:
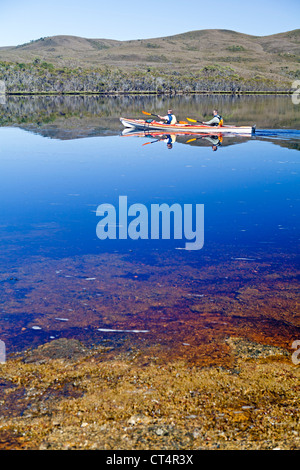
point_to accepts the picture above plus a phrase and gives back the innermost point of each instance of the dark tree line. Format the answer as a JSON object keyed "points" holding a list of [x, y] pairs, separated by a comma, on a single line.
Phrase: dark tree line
{"points": [[42, 77]]}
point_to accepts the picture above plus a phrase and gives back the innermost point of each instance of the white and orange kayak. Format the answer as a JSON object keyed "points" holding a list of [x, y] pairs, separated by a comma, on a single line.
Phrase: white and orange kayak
{"points": [[186, 128]]}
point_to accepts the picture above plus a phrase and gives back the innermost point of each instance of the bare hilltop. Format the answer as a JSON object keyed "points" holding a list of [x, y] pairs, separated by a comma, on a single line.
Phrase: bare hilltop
{"points": [[204, 60]]}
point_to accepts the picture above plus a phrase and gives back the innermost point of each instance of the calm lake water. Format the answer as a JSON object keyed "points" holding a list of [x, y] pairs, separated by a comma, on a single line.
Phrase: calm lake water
{"points": [[61, 157]]}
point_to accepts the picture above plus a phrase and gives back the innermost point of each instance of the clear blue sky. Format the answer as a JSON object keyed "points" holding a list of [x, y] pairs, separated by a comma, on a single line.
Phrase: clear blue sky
{"points": [[25, 20]]}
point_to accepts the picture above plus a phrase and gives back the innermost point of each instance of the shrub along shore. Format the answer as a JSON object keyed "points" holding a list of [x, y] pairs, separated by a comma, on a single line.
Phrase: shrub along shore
{"points": [[44, 78]]}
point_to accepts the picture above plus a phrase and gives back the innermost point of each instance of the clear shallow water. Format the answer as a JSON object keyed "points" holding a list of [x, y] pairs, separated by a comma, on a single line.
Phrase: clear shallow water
{"points": [[50, 256]]}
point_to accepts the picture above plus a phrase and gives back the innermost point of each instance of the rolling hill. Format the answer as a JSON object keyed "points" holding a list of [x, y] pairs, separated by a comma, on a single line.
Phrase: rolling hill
{"points": [[272, 60]]}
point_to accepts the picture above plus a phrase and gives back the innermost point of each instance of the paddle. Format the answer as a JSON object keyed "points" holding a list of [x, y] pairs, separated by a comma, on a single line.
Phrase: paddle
{"points": [[196, 138], [150, 114], [194, 120], [147, 143], [203, 124]]}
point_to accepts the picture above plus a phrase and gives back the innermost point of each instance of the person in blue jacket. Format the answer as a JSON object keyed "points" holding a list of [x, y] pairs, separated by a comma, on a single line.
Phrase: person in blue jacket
{"points": [[170, 118]]}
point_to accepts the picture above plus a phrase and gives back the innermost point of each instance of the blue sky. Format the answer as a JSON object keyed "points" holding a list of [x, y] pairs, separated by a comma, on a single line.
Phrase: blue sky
{"points": [[22, 21]]}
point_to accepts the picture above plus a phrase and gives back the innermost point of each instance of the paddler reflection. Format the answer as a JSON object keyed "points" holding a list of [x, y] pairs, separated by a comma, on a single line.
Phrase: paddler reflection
{"points": [[170, 139], [216, 141]]}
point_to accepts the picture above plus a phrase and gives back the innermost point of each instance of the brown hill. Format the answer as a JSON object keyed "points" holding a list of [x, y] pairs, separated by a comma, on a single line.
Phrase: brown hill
{"points": [[275, 55]]}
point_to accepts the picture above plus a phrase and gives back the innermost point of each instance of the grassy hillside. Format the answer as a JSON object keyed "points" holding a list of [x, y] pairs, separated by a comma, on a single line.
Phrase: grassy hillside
{"points": [[206, 57]]}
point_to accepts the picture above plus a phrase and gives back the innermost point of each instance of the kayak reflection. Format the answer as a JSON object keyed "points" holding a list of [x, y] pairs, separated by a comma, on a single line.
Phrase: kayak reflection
{"points": [[214, 140]]}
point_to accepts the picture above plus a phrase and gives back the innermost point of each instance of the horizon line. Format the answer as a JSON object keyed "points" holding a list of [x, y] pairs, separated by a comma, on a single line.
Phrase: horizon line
{"points": [[156, 37]]}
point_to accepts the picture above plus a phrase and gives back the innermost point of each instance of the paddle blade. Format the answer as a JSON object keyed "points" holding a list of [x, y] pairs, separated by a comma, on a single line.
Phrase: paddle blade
{"points": [[191, 140], [148, 114], [191, 120], [147, 143]]}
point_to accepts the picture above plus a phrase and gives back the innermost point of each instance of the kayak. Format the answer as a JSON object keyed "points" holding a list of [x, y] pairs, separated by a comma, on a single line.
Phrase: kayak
{"points": [[186, 128]]}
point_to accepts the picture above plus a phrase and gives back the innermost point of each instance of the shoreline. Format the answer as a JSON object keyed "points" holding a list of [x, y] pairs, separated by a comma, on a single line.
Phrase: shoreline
{"points": [[152, 93], [66, 396]]}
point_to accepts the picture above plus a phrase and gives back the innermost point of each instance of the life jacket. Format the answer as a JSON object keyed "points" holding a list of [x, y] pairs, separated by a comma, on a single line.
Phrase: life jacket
{"points": [[171, 139], [220, 120], [171, 119]]}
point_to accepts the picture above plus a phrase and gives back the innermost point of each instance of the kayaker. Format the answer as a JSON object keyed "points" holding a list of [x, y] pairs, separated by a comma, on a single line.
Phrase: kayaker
{"points": [[217, 120], [170, 118]]}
